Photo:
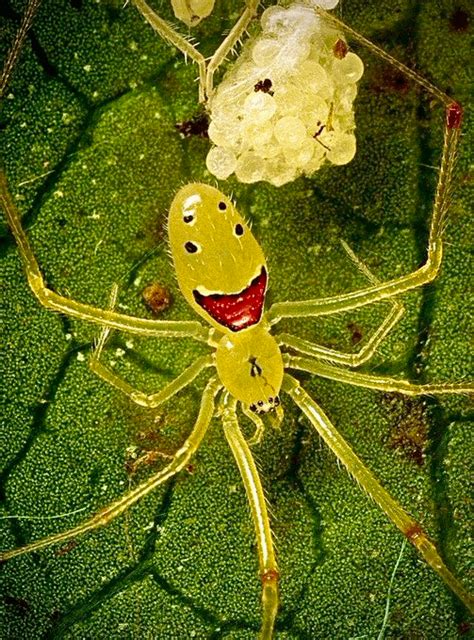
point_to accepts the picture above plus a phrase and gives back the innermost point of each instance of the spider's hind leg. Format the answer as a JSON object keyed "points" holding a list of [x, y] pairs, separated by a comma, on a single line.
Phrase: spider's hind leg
{"points": [[254, 490], [179, 461], [354, 465]]}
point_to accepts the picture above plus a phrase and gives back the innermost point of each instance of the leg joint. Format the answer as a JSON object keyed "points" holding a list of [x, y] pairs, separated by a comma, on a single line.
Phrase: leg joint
{"points": [[140, 398], [413, 532], [454, 115], [270, 576]]}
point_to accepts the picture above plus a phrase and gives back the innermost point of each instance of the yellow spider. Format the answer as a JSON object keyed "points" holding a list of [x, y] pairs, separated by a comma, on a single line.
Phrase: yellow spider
{"points": [[223, 275]]}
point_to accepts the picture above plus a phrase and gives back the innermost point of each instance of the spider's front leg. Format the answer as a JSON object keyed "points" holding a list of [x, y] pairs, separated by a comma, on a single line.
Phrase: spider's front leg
{"points": [[208, 68], [356, 468], [233, 37], [168, 33], [180, 459], [429, 270], [104, 317]]}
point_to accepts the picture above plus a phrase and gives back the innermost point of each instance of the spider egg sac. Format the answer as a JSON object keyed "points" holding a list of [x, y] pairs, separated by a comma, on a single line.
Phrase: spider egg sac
{"points": [[287, 105]]}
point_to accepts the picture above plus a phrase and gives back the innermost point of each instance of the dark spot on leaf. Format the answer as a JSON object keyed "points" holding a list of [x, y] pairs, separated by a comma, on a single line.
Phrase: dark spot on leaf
{"points": [[391, 80], [22, 606], [197, 126], [65, 549], [464, 627], [459, 20], [156, 297], [356, 332], [409, 426], [55, 616]]}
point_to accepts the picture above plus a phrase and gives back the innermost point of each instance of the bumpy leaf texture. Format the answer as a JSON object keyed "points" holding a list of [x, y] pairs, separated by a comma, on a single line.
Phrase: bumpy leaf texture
{"points": [[93, 156]]}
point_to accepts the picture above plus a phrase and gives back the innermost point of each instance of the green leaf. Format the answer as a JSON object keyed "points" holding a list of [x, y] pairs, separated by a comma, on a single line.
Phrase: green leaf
{"points": [[94, 159]]}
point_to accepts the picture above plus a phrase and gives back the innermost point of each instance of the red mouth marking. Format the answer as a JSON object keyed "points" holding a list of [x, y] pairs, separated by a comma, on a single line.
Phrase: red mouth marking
{"points": [[236, 311]]}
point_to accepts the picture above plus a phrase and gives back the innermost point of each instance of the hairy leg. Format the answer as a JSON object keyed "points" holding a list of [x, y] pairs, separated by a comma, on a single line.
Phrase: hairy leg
{"points": [[206, 69], [234, 35], [407, 525], [15, 51], [168, 33], [104, 317], [426, 273], [381, 383]]}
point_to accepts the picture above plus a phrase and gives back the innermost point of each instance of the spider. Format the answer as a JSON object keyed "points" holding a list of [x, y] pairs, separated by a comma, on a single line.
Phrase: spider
{"points": [[223, 275], [255, 371]]}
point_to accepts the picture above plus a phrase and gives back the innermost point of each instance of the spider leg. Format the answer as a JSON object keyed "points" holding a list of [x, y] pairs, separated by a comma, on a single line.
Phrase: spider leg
{"points": [[259, 426], [431, 88], [368, 350], [429, 270], [107, 514], [381, 383], [15, 50], [229, 42], [152, 400], [407, 525], [168, 33], [349, 359], [258, 507], [55, 302]]}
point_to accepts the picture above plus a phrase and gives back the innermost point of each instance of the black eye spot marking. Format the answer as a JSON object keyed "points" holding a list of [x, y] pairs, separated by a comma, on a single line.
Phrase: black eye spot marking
{"points": [[191, 247], [188, 218], [239, 230], [222, 206]]}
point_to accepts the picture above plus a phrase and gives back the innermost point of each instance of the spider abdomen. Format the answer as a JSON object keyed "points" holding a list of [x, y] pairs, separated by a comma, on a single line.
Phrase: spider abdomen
{"points": [[250, 366]]}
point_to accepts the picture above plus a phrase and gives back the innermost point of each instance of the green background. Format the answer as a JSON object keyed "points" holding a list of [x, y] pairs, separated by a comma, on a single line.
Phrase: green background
{"points": [[93, 159]]}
